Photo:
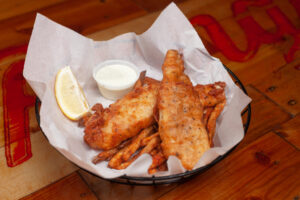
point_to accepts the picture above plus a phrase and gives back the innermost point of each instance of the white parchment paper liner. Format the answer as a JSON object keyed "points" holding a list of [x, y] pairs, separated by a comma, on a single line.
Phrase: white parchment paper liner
{"points": [[53, 46]]}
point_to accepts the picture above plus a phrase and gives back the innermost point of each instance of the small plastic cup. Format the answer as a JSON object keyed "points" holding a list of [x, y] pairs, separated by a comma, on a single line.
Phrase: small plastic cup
{"points": [[113, 92]]}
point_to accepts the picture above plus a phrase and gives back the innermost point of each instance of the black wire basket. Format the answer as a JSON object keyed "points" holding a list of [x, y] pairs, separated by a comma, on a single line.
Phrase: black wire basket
{"points": [[153, 180]]}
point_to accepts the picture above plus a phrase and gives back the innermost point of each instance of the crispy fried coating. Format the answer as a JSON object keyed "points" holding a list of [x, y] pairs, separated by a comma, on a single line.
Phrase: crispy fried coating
{"points": [[213, 100], [153, 143], [146, 140], [125, 118], [108, 154], [206, 114], [136, 143], [211, 123], [211, 94], [125, 153], [181, 129], [158, 159]]}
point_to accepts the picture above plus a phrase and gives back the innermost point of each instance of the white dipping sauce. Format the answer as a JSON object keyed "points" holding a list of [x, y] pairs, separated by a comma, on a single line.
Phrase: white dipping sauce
{"points": [[116, 76]]}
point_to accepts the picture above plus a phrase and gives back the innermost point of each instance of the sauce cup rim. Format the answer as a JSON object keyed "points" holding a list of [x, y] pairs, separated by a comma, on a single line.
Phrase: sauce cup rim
{"points": [[111, 62]]}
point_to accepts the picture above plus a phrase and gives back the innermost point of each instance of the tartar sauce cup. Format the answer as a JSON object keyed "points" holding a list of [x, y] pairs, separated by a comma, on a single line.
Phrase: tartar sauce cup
{"points": [[115, 78]]}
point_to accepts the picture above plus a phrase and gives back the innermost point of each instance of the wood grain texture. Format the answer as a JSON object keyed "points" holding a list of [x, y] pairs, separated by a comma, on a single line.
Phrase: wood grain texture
{"points": [[106, 190], [282, 87], [269, 168], [70, 187], [262, 64], [45, 167], [268, 58], [266, 115], [290, 131], [84, 17], [14, 8], [141, 24], [151, 5]]}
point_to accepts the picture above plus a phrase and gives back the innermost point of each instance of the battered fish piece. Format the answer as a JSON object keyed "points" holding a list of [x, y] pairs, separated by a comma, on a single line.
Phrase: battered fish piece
{"points": [[181, 129], [125, 118]]}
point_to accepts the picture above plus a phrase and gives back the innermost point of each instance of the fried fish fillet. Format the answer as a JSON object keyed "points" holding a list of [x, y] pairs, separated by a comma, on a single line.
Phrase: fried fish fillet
{"points": [[108, 127], [181, 129]]}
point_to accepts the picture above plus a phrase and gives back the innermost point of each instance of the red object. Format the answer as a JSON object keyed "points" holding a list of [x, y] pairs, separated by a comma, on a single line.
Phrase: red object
{"points": [[15, 111], [255, 34]]}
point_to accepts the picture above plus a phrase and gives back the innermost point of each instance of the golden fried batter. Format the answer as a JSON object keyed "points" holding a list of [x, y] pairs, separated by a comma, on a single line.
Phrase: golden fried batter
{"points": [[180, 114], [107, 128], [213, 99], [211, 94]]}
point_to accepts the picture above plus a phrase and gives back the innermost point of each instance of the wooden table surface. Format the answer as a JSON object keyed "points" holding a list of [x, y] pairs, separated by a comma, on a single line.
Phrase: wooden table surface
{"points": [[259, 40]]}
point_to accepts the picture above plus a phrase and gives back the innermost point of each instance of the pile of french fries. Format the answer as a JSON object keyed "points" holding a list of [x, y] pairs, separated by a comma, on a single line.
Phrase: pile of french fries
{"points": [[147, 141]]}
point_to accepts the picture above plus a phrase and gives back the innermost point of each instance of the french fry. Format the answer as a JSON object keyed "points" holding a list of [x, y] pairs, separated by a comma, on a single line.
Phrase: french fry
{"points": [[206, 114], [140, 80], [146, 140], [152, 170], [211, 123], [157, 160], [117, 159], [163, 167], [147, 149], [153, 143], [154, 152], [107, 155], [136, 143]]}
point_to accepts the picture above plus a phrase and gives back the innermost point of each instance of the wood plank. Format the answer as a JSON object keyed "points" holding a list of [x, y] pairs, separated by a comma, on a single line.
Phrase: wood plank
{"points": [[138, 25], [267, 60], [190, 8], [152, 6], [269, 168], [265, 116], [105, 189], [282, 87], [14, 8], [290, 131], [45, 167], [70, 187], [94, 15]]}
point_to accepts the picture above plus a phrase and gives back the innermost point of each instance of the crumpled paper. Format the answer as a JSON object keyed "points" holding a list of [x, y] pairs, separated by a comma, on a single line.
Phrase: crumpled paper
{"points": [[53, 46]]}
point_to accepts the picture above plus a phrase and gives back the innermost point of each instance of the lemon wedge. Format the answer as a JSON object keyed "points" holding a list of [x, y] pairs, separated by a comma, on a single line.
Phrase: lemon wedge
{"points": [[69, 95]]}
